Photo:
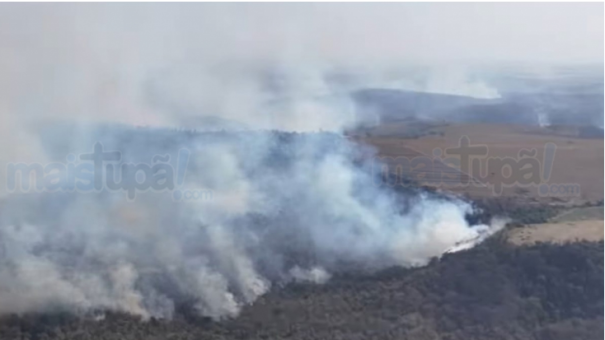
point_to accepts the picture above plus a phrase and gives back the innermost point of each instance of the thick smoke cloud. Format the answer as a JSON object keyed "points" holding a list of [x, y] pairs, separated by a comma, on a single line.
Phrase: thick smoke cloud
{"points": [[283, 207]]}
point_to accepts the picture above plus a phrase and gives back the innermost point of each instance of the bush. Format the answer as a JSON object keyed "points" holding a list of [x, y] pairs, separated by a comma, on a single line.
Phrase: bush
{"points": [[494, 291]]}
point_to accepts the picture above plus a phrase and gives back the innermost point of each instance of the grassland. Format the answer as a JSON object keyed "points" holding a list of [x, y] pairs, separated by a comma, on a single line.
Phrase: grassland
{"points": [[578, 160]]}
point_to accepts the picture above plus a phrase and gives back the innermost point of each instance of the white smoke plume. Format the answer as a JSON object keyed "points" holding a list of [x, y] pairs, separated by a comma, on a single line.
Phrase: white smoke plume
{"points": [[439, 79], [284, 207], [455, 82]]}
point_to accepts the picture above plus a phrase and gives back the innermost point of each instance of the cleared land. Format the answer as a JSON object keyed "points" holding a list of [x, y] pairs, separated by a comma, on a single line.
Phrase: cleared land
{"points": [[577, 224], [558, 232], [578, 160]]}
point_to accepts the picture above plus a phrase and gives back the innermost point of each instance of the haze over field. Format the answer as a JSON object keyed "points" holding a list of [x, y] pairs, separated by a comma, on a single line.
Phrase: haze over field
{"points": [[267, 65]]}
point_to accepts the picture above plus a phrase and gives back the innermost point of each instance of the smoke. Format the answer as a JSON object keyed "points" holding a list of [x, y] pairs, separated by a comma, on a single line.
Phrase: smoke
{"points": [[543, 120], [446, 80], [284, 207]]}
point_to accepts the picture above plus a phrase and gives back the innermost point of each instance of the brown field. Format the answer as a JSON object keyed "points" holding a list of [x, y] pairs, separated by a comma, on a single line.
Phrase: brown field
{"points": [[577, 160], [589, 230], [576, 224]]}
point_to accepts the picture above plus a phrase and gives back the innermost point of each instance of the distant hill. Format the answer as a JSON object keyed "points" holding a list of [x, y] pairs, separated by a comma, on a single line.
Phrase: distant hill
{"points": [[542, 108]]}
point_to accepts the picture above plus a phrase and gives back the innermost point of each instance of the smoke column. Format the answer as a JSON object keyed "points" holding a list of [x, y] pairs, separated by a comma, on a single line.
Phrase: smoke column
{"points": [[284, 207]]}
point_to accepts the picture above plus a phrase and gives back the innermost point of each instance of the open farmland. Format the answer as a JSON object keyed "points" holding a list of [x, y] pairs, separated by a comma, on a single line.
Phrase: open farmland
{"points": [[577, 160], [591, 230], [573, 225]]}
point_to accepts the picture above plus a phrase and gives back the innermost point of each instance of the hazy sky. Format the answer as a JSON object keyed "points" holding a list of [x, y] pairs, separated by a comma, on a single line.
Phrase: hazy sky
{"points": [[325, 32], [99, 61], [442, 32], [86, 59]]}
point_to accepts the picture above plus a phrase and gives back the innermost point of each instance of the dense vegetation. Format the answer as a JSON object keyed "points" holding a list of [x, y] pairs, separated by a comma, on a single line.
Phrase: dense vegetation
{"points": [[495, 291], [518, 211]]}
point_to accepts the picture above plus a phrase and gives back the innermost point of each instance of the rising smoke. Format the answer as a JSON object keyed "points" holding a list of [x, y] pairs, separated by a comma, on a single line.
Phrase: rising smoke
{"points": [[285, 207]]}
